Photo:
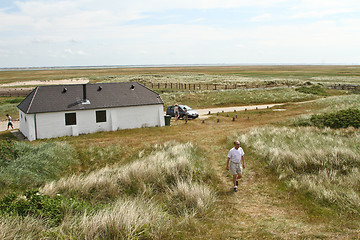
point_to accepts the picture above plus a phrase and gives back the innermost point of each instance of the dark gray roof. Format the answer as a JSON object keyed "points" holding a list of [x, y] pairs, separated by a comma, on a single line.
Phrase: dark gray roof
{"points": [[58, 98]]}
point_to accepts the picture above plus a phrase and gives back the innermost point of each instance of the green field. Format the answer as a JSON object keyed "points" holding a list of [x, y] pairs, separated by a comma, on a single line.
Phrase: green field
{"points": [[171, 182]]}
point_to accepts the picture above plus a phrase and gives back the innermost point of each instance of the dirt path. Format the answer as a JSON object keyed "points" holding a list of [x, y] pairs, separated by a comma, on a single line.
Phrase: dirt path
{"points": [[260, 209], [203, 113]]}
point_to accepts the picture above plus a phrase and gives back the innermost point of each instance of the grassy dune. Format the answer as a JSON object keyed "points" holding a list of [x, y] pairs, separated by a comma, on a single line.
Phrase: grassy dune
{"points": [[322, 163], [149, 198]]}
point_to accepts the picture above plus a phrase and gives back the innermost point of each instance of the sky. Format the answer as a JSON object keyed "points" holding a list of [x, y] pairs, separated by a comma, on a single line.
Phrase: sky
{"points": [[43, 33]]}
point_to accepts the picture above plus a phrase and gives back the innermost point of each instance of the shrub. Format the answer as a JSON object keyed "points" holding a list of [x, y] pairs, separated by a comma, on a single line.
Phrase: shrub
{"points": [[340, 119], [32, 203], [315, 89]]}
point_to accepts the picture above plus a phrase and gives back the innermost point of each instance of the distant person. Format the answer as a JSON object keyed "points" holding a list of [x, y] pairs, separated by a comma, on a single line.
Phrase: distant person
{"points": [[10, 123], [186, 115], [235, 157], [176, 112]]}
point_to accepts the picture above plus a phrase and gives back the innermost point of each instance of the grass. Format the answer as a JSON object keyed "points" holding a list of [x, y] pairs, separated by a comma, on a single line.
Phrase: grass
{"points": [[321, 163], [236, 97], [142, 199], [171, 183], [34, 165], [321, 74], [8, 106]]}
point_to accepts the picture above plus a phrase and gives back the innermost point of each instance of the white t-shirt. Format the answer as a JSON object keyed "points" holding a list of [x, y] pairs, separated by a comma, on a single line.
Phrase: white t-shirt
{"points": [[235, 155]]}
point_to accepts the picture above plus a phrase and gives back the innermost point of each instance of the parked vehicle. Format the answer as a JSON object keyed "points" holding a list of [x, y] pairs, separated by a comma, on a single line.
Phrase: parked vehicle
{"points": [[190, 112]]}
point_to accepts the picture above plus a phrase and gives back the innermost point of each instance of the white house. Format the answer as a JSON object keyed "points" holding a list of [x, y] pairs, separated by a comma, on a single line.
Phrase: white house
{"points": [[70, 110]]}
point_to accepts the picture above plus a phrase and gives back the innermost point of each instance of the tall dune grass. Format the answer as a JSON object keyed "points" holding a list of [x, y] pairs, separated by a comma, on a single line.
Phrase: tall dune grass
{"points": [[338, 103], [16, 228], [324, 163], [165, 166], [145, 199], [126, 219]]}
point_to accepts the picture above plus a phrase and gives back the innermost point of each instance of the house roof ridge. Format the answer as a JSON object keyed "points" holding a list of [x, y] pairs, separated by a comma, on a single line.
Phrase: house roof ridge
{"points": [[32, 99]]}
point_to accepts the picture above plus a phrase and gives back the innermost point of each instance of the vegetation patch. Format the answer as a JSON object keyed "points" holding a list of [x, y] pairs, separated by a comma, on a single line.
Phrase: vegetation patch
{"points": [[340, 119], [323, 164], [150, 198], [235, 97], [8, 106], [24, 165], [7, 152], [50, 210], [314, 89]]}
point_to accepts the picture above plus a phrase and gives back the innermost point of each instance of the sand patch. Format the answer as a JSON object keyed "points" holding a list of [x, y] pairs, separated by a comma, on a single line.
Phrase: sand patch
{"points": [[47, 82]]}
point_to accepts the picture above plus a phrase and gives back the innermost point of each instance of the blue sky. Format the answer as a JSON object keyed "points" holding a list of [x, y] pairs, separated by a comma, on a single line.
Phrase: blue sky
{"points": [[36, 33]]}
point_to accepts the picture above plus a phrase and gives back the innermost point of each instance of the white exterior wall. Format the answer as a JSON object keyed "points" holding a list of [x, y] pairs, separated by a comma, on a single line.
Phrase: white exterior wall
{"points": [[27, 123], [50, 125]]}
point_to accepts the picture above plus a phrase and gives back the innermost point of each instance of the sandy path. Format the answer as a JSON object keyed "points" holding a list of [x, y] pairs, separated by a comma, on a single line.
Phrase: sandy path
{"points": [[3, 125], [203, 113]]}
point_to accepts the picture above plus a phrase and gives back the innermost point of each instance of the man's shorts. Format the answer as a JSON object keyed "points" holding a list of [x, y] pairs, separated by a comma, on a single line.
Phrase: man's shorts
{"points": [[235, 168]]}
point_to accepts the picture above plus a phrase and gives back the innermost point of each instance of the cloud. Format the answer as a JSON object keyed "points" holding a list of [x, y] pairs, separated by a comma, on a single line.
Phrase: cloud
{"points": [[322, 13], [72, 52], [262, 18], [92, 32]]}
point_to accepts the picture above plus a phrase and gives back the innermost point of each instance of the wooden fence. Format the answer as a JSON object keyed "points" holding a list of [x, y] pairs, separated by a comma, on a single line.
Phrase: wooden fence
{"points": [[349, 87], [203, 86]]}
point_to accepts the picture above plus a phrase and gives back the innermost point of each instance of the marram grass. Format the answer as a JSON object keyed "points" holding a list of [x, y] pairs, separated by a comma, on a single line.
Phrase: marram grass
{"points": [[324, 163], [149, 198]]}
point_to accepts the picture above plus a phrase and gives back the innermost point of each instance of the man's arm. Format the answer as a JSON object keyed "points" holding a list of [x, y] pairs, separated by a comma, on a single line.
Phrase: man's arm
{"points": [[243, 161], [227, 163]]}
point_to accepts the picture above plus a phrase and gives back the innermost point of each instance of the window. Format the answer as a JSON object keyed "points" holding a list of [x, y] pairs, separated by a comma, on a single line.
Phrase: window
{"points": [[70, 119], [100, 116]]}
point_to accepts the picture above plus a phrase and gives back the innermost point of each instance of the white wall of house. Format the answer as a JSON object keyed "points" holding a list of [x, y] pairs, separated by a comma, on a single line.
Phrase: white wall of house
{"points": [[51, 125], [27, 123]]}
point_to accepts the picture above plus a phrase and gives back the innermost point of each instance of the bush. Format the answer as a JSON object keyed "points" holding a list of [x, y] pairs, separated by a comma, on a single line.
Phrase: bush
{"points": [[316, 90], [340, 119]]}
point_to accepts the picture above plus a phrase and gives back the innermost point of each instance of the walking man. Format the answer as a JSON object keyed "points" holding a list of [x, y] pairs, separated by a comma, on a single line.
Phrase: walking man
{"points": [[235, 157], [10, 124]]}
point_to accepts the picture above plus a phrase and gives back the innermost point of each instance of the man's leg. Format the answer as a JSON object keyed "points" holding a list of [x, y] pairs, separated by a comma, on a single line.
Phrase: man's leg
{"points": [[234, 180]]}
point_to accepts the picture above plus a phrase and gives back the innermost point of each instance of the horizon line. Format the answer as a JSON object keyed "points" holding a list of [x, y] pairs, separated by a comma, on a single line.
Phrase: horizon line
{"points": [[173, 65]]}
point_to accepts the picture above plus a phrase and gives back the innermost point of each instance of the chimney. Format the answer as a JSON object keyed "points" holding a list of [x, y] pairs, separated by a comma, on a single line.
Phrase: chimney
{"points": [[85, 100], [84, 92]]}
